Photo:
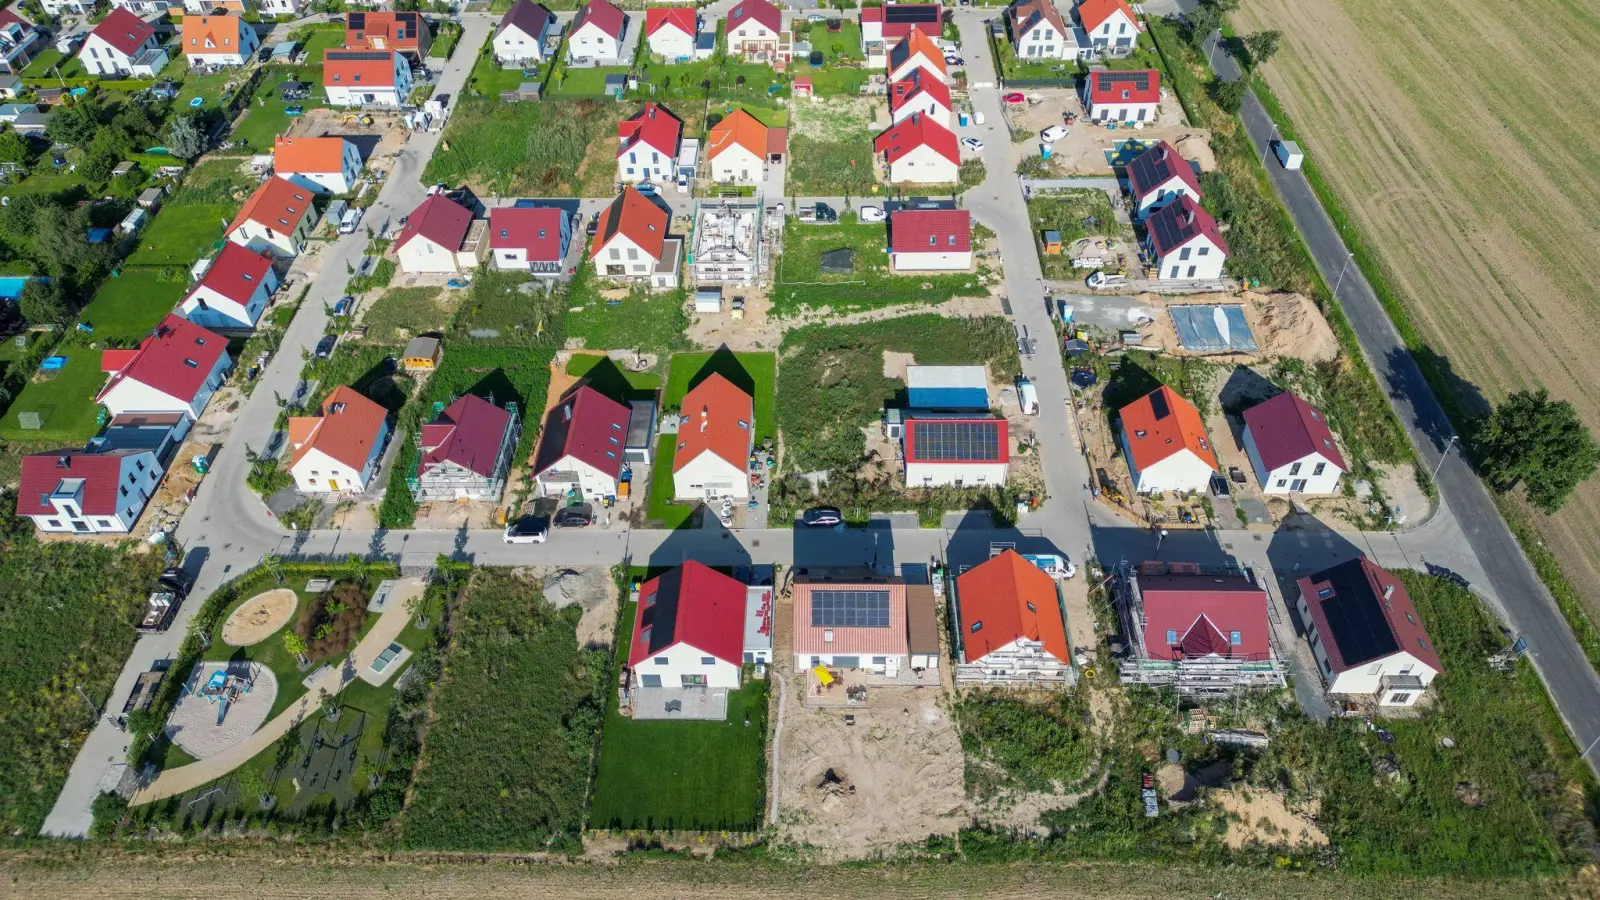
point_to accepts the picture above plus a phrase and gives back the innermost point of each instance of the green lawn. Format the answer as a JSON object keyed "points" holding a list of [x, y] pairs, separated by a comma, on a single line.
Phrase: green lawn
{"points": [[835, 79], [754, 372], [569, 82], [608, 378], [400, 314], [1067, 211], [768, 114], [321, 41], [44, 67], [489, 79], [644, 321], [531, 149], [837, 82], [831, 153], [682, 775], [444, 44], [131, 303], [660, 507], [835, 45], [179, 235], [51, 183], [800, 283], [64, 401], [206, 87]]}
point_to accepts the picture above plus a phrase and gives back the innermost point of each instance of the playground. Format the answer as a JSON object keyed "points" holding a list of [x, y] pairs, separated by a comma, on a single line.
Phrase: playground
{"points": [[259, 617], [223, 703]]}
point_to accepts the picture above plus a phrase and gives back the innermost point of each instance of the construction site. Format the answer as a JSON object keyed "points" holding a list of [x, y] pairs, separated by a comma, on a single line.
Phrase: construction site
{"points": [[730, 245]]}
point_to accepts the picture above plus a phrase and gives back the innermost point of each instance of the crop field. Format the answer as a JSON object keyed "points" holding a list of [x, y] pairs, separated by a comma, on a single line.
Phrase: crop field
{"points": [[1472, 186]]}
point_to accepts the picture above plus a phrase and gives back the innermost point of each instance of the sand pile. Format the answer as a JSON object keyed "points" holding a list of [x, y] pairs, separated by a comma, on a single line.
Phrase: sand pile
{"points": [[1290, 325], [1196, 148], [259, 618], [586, 587]]}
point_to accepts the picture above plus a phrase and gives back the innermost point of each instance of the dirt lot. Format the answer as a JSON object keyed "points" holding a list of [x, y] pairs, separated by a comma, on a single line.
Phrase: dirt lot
{"points": [[1284, 325], [379, 142], [1083, 150], [1483, 220]]}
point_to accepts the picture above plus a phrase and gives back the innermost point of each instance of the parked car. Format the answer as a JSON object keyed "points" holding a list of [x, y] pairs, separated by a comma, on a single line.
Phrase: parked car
{"points": [[816, 17], [950, 59], [325, 346], [580, 516], [822, 517], [528, 530], [872, 214], [1219, 486], [1099, 280], [825, 213], [1053, 133], [973, 144]]}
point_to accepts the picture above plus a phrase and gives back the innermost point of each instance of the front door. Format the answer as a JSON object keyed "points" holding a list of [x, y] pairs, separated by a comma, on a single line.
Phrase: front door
{"points": [[333, 485], [1298, 485]]}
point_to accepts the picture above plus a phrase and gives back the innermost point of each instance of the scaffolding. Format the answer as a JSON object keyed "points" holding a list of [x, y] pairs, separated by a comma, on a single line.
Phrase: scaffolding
{"points": [[727, 243], [449, 480]]}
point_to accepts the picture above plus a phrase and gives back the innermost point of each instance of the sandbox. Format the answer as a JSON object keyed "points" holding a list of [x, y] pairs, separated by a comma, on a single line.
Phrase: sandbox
{"points": [[259, 618], [222, 704]]}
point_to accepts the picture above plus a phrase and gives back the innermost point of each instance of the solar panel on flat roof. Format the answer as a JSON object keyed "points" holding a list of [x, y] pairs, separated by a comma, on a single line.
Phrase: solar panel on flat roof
{"points": [[359, 54], [956, 441], [849, 609], [911, 13]]}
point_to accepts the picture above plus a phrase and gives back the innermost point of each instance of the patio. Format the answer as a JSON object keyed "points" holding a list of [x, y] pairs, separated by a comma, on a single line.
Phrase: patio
{"points": [[680, 703]]}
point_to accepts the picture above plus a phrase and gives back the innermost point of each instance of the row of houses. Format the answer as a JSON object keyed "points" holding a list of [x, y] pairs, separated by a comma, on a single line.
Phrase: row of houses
{"points": [[192, 7]]}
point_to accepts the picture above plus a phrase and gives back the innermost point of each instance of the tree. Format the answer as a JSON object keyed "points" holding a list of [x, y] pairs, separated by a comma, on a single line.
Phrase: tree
{"points": [[1204, 20], [293, 644], [13, 147], [184, 137], [61, 241], [75, 123], [41, 303], [1228, 94], [1224, 6], [1539, 443], [1262, 46]]}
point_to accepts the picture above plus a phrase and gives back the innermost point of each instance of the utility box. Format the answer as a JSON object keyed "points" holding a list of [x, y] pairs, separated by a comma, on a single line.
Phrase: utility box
{"points": [[1288, 153]]}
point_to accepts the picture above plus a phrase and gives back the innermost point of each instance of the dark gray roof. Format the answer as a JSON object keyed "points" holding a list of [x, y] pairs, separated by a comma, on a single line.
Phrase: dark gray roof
{"points": [[641, 423]]}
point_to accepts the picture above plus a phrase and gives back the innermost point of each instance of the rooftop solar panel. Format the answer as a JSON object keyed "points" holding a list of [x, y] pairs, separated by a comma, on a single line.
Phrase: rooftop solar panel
{"points": [[1355, 614], [850, 609], [359, 54], [1139, 81], [1168, 226], [956, 441], [911, 13], [1158, 405]]}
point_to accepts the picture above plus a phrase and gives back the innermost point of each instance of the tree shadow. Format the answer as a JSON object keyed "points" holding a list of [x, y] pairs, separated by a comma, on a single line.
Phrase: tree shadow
{"points": [[378, 385], [724, 362], [1429, 413]]}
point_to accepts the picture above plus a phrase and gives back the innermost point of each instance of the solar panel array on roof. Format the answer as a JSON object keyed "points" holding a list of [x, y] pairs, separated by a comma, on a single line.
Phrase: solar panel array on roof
{"points": [[1169, 232], [849, 609], [1139, 81], [359, 54], [910, 13], [1158, 405], [957, 441], [1355, 614]]}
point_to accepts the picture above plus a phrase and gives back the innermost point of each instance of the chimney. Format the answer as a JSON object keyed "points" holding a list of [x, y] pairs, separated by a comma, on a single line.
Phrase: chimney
{"points": [[650, 110], [1188, 217], [63, 462]]}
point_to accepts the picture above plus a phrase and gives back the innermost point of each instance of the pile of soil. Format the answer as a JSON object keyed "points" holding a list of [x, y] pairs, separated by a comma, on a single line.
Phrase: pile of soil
{"points": [[259, 617], [331, 623], [588, 587]]}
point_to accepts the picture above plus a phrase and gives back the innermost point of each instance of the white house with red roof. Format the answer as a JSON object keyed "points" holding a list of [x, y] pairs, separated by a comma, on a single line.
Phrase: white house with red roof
{"points": [[174, 370], [716, 432], [967, 451], [850, 619], [1184, 243], [440, 237], [122, 44], [366, 77], [688, 633], [919, 151], [738, 147], [218, 40], [1366, 634], [884, 26], [339, 450], [521, 36], [1291, 447], [233, 292], [1205, 632], [649, 151], [275, 219], [581, 446], [930, 240], [1011, 628], [671, 32], [1123, 95], [754, 29], [83, 492], [1038, 31], [920, 92], [596, 36], [916, 52], [529, 238], [466, 451], [631, 242], [1159, 176], [1164, 441], [1112, 27], [327, 165]]}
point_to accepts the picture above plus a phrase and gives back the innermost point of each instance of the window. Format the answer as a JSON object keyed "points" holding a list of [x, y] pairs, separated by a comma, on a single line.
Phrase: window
{"points": [[1234, 638], [816, 660], [1410, 618], [124, 491], [1319, 469], [1326, 667], [661, 660], [1172, 636], [1203, 251], [1282, 482], [977, 627], [708, 660], [1294, 470], [1183, 254], [1375, 668], [1325, 593], [1031, 607], [1424, 645], [880, 660], [1401, 697]]}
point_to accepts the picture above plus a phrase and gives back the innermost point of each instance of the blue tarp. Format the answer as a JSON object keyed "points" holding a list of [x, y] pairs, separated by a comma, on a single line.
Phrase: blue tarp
{"points": [[1210, 329]]}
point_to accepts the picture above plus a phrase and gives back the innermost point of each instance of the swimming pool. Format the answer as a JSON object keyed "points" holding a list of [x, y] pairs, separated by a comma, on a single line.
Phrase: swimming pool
{"points": [[11, 286]]}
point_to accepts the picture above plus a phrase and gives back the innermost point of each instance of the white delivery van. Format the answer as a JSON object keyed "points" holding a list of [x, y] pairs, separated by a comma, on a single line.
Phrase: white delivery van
{"points": [[1027, 396], [1288, 153]]}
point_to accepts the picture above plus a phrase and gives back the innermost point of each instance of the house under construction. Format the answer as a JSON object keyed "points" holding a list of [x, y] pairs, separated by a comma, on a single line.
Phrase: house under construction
{"points": [[727, 243]]}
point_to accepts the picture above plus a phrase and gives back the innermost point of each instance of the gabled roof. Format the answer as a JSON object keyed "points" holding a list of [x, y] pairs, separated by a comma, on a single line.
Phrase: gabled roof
{"points": [[1026, 14], [347, 430], [654, 127], [124, 31], [536, 230], [898, 19], [634, 217], [278, 204], [1005, 599], [1152, 169], [201, 34], [918, 87], [760, 10], [366, 68], [467, 433], [850, 615], [237, 273], [100, 474], [917, 131], [1364, 614], [602, 15], [527, 17], [1093, 13], [1201, 612], [1161, 424], [316, 155], [738, 129], [1287, 429], [439, 219], [718, 418], [1178, 223], [916, 42], [396, 30], [930, 231], [176, 359], [1124, 86], [693, 605], [10, 17], [948, 441], [679, 17], [587, 426]]}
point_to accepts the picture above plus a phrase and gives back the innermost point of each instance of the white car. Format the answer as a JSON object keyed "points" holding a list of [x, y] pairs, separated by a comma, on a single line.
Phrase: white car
{"points": [[973, 144], [527, 530], [816, 17], [951, 59], [872, 214], [1053, 133]]}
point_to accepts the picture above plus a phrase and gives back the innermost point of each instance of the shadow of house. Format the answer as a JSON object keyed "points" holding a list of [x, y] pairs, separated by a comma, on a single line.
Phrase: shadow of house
{"points": [[715, 547], [1245, 388], [378, 385], [1304, 545], [499, 388], [724, 362], [609, 379]]}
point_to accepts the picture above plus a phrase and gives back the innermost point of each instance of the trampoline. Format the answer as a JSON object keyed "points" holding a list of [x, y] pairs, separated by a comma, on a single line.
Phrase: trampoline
{"points": [[1209, 328]]}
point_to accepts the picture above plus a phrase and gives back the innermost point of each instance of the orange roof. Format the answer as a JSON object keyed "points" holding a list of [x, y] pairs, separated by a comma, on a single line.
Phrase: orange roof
{"points": [[719, 417], [1093, 13], [1007, 599], [1162, 423], [364, 68], [346, 431], [308, 154], [636, 218], [740, 128], [913, 43], [278, 204], [200, 34]]}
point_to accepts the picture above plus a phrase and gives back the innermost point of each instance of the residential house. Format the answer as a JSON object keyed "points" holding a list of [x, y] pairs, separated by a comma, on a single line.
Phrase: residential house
{"points": [[715, 435], [441, 237], [948, 388], [1159, 176], [688, 631], [1164, 441], [1110, 24], [11, 87], [467, 451], [68, 7], [920, 93], [339, 450], [276, 219], [20, 42], [154, 9], [581, 447], [884, 26], [406, 32], [1184, 243], [959, 451], [919, 150], [366, 77], [596, 35], [121, 45], [1204, 632], [1010, 628], [1366, 634], [530, 238], [755, 32], [1291, 448], [672, 32], [916, 52], [739, 147], [175, 369], [218, 40], [235, 7], [846, 619], [327, 165], [277, 7], [930, 240], [84, 492], [1038, 32], [233, 292], [520, 40], [649, 150], [1127, 95], [631, 243]]}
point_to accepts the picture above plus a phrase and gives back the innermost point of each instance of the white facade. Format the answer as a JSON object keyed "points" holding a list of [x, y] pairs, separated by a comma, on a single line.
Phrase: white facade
{"points": [[1367, 679], [931, 262], [1168, 191], [129, 396], [100, 58], [888, 666], [736, 164], [514, 47], [392, 93], [639, 162], [569, 472], [260, 238], [68, 7], [709, 475], [924, 165], [966, 474], [140, 473], [1045, 41], [208, 308], [222, 47], [421, 254], [319, 473], [1121, 111], [591, 42], [342, 181], [1182, 471], [915, 61], [620, 257], [1116, 35], [671, 43], [921, 103], [1312, 474], [1197, 259], [1021, 662], [278, 7], [752, 39], [683, 665]]}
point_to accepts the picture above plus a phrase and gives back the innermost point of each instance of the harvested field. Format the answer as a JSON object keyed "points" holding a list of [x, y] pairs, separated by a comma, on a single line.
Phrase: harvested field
{"points": [[1473, 184]]}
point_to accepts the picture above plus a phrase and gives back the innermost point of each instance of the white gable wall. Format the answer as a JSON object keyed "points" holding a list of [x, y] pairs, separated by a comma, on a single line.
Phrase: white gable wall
{"points": [[1197, 260], [218, 311], [1168, 192], [737, 165], [683, 665], [917, 61], [709, 475], [935, 474], [620, 257], [100, 58], [514, 47], [671, 43], [924, 104], [136, 396], [421, 254], [924, 165], [642, 162], [1299, 477], [590, 42], [1182, 471], [569, 472]]}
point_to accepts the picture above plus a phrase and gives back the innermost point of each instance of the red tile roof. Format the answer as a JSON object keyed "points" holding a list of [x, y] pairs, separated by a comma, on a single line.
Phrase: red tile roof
{"points": [[634, 217], [176, 359], [917, 131], [308, 154], [439, 219], [101, 474], [1162, 423], [1176, 224], [536, 230], [124, 31], [850, 640], [237, 273], [1287, 429], [364, 68], [467, 433], [653, 127], [679, 17], [278, 203], [763, 12], [600, 14], [1026, 14], [347, 430], [913, 44], [1124, 86], [202, 38], [1200, 612], [1093, 13], [741, 129], [1012, 599], [719, 419], [930, 231], [692, 605], [588, 426], [918, 87], [395, 30], [1153, 168], [112, 360], [929, 19], [1357, 623]]}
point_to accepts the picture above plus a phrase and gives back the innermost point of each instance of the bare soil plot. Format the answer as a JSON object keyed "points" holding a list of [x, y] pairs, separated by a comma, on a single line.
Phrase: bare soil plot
{"points": [[259, 618]]}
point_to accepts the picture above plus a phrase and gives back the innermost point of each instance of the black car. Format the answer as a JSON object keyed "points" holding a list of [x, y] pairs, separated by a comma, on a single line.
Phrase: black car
{"points": [[594, 225], [580, 516], [176, 580], [822, 517], [325, 346], [1219, 486], [826, 213]]}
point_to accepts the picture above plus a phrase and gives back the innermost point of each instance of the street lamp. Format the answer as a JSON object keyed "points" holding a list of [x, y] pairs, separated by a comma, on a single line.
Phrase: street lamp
{"points": [[1454, 439], [1268, 148], [1159, 536], [1349, 255]]}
